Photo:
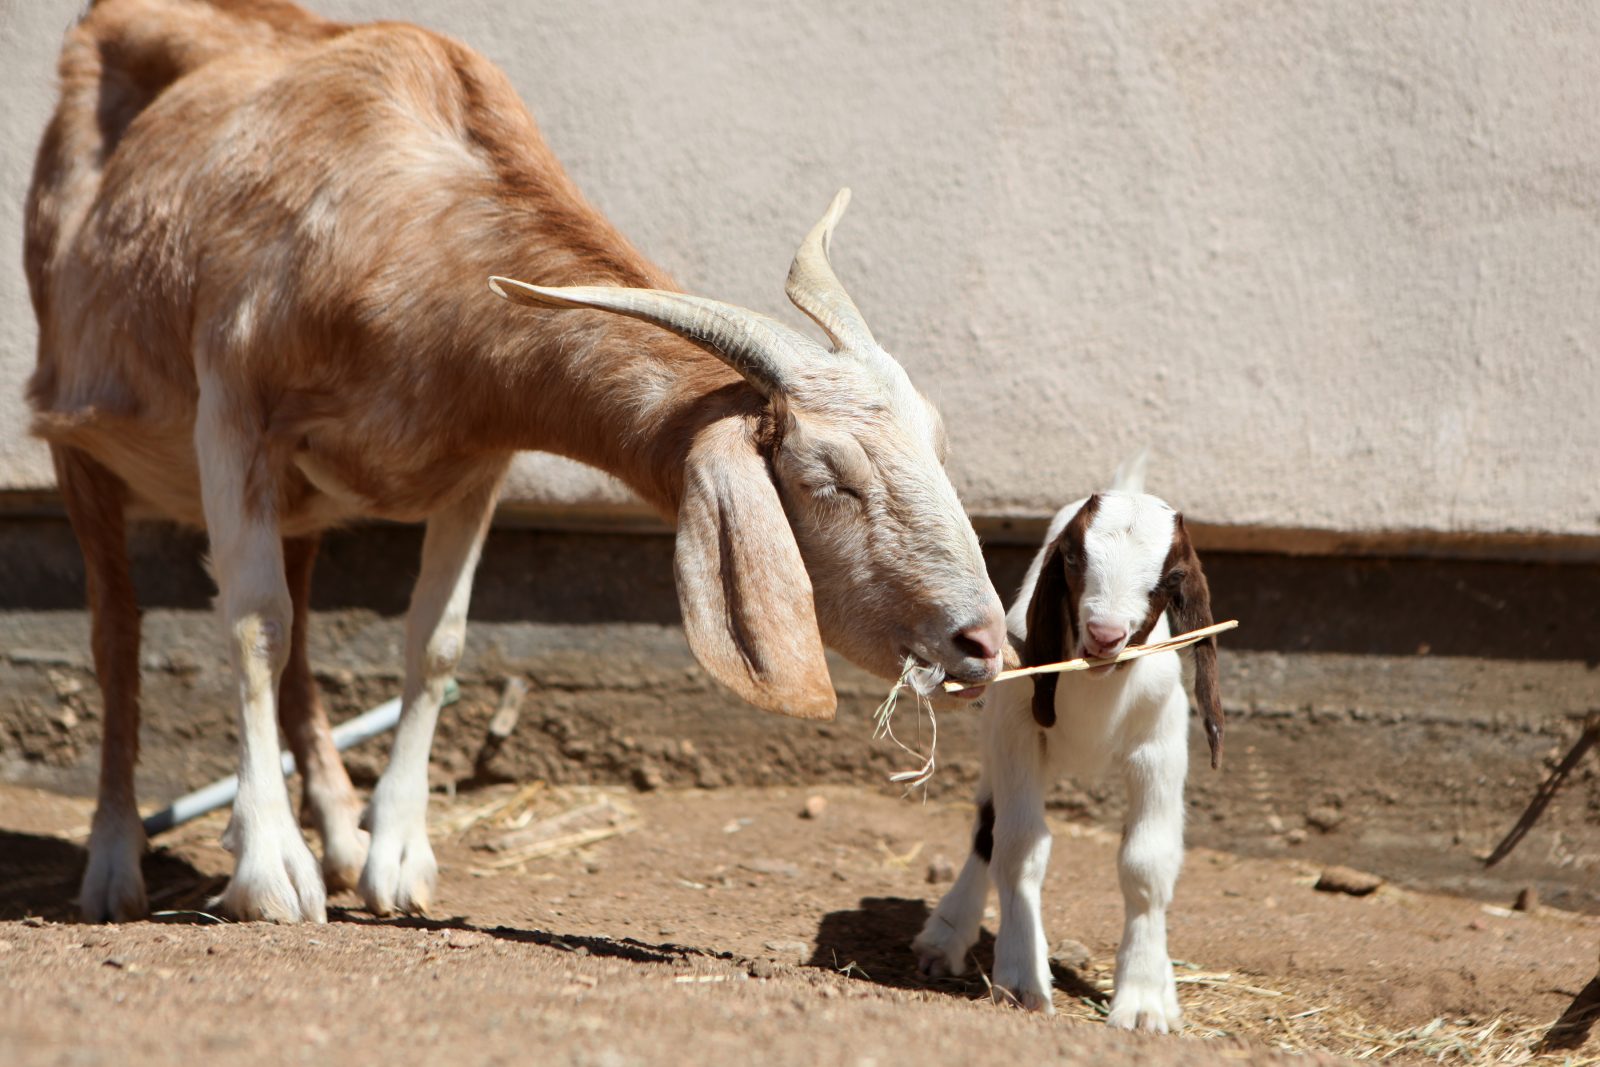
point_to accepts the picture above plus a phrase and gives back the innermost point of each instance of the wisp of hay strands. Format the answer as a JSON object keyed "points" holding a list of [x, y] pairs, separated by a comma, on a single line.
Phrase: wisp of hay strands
{"points": [[923, 681]]}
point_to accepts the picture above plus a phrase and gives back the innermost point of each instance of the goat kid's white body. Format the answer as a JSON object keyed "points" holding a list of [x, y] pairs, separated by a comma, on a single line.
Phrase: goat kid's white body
{"points": [[1132, 722]]}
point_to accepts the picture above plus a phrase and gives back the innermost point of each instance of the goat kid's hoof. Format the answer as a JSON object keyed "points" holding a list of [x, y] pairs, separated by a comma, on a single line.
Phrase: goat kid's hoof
{"points": [[1152, 1010], [936, 957], [113, 884], [400, 875], [275, 881]]}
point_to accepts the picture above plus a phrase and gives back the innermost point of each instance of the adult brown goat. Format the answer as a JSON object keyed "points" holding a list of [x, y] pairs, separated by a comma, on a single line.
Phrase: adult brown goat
{"points": [[257, 243]]}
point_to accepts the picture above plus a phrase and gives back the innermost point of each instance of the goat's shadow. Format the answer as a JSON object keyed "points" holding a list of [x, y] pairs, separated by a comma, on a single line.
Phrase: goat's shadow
{"points": [[872, 943], [39, 876], [626, 948]]}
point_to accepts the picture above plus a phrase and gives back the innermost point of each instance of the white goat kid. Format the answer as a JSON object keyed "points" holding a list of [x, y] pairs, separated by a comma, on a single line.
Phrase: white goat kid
{"points": [[1111, 569]]}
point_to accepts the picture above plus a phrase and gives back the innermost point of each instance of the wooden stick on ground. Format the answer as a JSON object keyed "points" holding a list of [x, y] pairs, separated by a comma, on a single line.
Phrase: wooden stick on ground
{"points": [[1129, 653], [1547, 791]]}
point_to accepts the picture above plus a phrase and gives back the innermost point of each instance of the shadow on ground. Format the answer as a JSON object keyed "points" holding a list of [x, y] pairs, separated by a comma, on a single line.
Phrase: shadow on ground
{"points": [[872, 943], [626, 948], [39, 876]]}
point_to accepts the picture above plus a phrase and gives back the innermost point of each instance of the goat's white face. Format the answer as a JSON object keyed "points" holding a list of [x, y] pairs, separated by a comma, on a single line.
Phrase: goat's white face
{"points": [[1117, 562], [834, 519], [1123, 552], [896, 568]]}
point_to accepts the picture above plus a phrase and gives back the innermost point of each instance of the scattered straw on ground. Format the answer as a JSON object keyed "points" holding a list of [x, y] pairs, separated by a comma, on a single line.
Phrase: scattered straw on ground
{"points": [[1220, 1004], [523, 823]]}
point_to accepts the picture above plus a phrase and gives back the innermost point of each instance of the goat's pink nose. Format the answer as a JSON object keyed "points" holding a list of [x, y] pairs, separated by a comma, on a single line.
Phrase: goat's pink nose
{"points": [[1105, 636], [981, 641]]}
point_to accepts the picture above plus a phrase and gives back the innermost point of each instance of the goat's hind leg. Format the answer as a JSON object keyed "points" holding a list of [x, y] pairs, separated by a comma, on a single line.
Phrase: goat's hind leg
{"points": [[400, 871], [275, 876], [328, 801], [113, 884]]}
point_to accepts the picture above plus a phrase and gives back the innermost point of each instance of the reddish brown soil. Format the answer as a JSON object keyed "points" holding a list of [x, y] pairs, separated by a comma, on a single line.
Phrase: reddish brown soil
{"points": [[726, 928]]}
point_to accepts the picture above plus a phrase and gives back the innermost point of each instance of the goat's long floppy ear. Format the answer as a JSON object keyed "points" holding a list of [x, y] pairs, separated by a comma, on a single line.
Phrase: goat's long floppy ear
{"points": [[1046, 641], [746, 597], [1191, 610]]}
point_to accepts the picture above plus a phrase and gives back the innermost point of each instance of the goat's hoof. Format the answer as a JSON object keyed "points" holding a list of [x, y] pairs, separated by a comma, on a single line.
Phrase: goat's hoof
{"points": [[276, 879], [344, 842], [400, 875], [1026, 986], [1026, 999], [344, 855], [1152, 1007], [939, 951], [113, 883]]}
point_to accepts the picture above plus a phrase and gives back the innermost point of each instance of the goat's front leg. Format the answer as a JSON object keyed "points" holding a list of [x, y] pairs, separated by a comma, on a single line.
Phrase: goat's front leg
{"points": [[275, 876], [950, 931], [113, 884], [328, 801], [1146, 997], [400, 871], [1021, 858]]}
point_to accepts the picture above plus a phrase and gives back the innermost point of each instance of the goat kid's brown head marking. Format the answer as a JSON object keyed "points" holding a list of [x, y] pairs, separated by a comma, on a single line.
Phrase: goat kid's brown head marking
{"points": [[1121, 562], [829, 517]]}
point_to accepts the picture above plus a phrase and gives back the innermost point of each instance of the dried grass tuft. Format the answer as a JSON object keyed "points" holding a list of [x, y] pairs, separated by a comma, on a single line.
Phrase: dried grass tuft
{"points": [[1224, 1005]]}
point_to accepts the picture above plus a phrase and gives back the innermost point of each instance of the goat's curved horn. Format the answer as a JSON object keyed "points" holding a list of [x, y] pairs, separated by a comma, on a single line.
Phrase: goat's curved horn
{"points": [[815, 289], [762, 350]]}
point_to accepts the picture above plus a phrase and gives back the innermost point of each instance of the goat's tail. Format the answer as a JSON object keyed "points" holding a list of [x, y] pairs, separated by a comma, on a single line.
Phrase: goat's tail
{"points": [[1129, 477]]}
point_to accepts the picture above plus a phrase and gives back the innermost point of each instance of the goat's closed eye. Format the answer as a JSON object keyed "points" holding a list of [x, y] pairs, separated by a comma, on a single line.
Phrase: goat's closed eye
{"points": [[837, 491]]}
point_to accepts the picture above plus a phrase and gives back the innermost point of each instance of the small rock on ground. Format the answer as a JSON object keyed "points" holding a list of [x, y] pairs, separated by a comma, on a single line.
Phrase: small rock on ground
{"points": [[464, 938], [782, 868], [815, 806], [1325, 817], [940, 869], [1348, 880], [789, 948], [1071, 954]]}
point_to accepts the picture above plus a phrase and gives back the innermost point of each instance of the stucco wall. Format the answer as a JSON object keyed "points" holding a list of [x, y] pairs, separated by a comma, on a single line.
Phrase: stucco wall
{"points": [[1337, 262]]}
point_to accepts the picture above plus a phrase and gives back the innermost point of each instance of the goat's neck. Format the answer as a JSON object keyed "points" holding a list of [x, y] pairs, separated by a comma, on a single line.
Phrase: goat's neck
{"points": [[614, 393]]}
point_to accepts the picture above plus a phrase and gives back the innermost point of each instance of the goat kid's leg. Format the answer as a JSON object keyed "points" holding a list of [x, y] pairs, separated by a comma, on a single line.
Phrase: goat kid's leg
{"points": [[113, 885], [1021, 858], [328, 801], [400, 871], [275, 877], [950, 932], [1146, 997]]}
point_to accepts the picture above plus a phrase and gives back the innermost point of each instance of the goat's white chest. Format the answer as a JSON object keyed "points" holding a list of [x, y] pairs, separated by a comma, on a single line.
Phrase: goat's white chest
{"points": [[1099, 720]]}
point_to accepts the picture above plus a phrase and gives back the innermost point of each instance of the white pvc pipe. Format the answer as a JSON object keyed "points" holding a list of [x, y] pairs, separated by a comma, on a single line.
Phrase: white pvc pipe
{"points": [[367, 725]]}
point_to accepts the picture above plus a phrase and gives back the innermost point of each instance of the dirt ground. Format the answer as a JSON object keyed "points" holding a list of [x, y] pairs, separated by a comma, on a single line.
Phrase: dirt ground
{"points": [[721, 925]]}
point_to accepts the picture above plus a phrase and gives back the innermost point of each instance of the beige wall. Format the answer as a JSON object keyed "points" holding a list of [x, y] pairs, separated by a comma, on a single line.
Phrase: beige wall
{"points": [[1337, 262]]}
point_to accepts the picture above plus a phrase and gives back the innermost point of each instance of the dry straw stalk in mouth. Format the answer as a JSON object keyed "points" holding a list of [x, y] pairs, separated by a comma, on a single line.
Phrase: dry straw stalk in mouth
{"points": [[1084, 663], [924, 681]]}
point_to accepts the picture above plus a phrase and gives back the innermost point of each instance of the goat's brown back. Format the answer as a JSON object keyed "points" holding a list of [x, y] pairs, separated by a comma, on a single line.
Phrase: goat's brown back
{"points": [[311, 209]]}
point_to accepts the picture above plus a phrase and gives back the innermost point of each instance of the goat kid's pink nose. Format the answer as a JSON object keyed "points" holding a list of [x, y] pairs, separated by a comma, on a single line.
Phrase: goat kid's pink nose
{"points": [[1103, 636], [981, 642]]}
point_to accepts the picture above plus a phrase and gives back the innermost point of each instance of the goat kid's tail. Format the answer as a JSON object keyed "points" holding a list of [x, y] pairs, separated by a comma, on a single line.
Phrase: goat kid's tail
{"points": [[1129, 477]]}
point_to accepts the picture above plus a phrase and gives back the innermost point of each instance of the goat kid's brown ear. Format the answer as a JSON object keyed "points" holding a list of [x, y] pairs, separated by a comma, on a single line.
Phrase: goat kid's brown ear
{"points": [[1191, 610], [746, 598], [1046, 640]]}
